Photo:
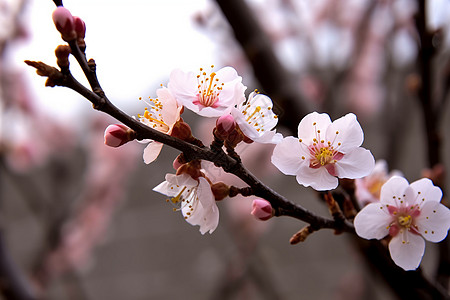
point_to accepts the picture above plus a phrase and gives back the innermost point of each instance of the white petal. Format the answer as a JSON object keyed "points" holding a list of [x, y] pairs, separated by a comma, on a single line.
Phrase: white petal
{"points": [[427, 189], [372, 221], [270, 137], [152, 151], [434, 221], [395, 186], [407, 250], [164, 188], [319, 179], [171, 110], [350, 133], [355, 164], [182, 180], [287, 155], [184, 88], [205, 212], [227, 74], [308, 126]]}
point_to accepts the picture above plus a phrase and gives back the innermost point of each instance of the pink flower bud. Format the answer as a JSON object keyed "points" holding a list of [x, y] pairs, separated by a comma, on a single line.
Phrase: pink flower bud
{"points": [[225, 125], [63, 20], [80, 27], [116, 135], [262, 209]]}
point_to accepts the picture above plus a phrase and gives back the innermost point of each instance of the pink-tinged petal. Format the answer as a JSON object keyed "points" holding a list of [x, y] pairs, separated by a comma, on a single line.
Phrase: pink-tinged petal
{"points": [[346, 131], [212, 112], [227, 74], [394, 187], [319, 179], [287, 155], [152, 151], [308, 126], [433, 222], [171, 111], [407, 250], [355, 164], [428, 191], [205, 194], [184, 87], [373, 221]]}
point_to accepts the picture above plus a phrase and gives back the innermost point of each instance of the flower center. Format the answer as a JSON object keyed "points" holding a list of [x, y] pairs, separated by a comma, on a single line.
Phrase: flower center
{"points": [[209, 89], [405, 221], [186, 198], [258, 112], [152, 116], [324, 155]]}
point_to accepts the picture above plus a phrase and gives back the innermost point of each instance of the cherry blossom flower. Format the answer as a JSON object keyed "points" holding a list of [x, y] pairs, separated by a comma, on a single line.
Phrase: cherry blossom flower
{"points": [[324, 151], [256, 119], [209, 95], [194, 198], [368, 188], [409, 213], [162, 114]]}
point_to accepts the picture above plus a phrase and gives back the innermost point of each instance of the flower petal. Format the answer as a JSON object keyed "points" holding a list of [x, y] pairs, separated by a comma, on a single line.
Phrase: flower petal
{"points": [[355, 164], [287, 155], [181, 180], [184, 87], [152, 151], [171, 109], [372, 222], [346, 131], [202, 210], [394, 187], [407, 250], [434, 221], [311, 123], [319, 179], [428, 191]]}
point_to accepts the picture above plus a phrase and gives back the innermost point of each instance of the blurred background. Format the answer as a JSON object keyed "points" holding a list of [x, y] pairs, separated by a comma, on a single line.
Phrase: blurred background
{"points": [[79, 220]]}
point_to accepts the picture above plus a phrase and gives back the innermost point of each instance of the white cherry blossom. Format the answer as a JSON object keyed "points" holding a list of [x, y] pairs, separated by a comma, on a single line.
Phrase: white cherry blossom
{"points": [[208, 94], [256, 119], [323, 151], [409, 213], [194, 198], [162, 114]]}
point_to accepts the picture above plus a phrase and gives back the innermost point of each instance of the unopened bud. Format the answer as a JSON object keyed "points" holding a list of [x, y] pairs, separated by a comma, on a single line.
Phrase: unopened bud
{"points": [[80, 27], [182, 130], [116, 135], [63, 20], [62, 53], [262, 209], [220, 190], [224, 126]]}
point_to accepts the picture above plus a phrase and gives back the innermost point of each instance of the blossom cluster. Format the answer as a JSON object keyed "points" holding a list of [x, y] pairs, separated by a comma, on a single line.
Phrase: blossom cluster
{"points": [[323, 152]]}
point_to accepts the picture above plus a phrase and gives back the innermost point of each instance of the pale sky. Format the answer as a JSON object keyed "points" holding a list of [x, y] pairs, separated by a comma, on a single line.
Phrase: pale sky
{"points": [[135, 43]]}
